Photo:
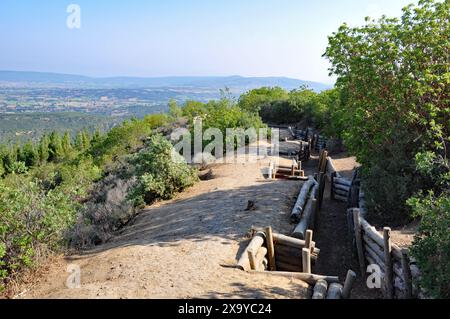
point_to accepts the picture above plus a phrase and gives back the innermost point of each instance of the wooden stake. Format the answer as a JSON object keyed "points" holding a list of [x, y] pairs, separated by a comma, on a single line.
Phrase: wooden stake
{"points": [[270, 249], [306, 260], [252, 259], [359, 243], [407, 277], [308, 239], [349, 281], [388, 262]]}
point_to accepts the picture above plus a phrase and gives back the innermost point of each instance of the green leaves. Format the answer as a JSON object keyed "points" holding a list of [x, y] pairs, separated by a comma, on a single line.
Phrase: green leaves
{"points": [[160, 176], [393, 79]]}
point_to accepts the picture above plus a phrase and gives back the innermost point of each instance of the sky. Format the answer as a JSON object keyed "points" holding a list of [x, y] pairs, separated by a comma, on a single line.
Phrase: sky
{"points": [[151, 38]]}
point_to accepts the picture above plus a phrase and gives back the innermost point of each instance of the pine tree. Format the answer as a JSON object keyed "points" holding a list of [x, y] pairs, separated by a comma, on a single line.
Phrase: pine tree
{"points": [[29, 154], [67, 143], [55, 147], [43, 149]]}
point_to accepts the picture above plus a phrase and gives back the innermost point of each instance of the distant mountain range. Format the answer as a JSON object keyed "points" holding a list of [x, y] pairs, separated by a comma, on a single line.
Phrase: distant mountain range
{"points": [[235, 83]]}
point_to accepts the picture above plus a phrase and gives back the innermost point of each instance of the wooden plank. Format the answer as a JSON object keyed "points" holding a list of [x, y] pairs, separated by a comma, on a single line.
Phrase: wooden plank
{"points": [[270, 249], [308, 278], [388, 262], [359, 243]]}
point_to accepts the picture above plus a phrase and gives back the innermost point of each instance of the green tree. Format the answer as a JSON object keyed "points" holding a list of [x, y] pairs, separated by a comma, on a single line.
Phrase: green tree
{"points": [[393, 75], [43, 149], [174, 110], [56, 151], [29, 154], [254, 100], [66, 143]]}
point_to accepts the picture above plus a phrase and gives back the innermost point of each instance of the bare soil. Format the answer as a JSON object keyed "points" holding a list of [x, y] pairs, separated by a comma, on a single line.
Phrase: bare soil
{"points": [[187, 247]]}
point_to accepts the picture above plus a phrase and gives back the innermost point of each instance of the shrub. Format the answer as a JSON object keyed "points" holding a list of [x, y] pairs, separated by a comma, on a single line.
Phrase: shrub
{"points": [[161, 173], [431, 246]]}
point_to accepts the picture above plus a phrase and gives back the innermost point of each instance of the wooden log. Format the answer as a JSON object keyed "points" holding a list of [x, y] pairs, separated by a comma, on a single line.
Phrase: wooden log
{"points": [[298, 209], [341, 198], [379, 260], [306, 260], [340, 192], [256, 242], [342, 181], [396, 252], [371, 232], [388, 262], [321, 190], [308, 278], [359, 243], [305, 222], [333, 176], [350, 227], [334, 291], [270, 249], [342, 188], [252, 259], [348, 285], [323, 168], [287, 171], [283, 240], [373, 246], [320, 290], [286, 252], [308, 239], [407, 276], [284, 266]]}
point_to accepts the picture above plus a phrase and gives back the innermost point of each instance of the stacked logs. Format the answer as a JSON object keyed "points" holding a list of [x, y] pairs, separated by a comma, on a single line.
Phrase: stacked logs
{"points": [[289, 253], [293, 172], [305, 208], [325, 290], [340, 186], [397, 269], [319, 142]]}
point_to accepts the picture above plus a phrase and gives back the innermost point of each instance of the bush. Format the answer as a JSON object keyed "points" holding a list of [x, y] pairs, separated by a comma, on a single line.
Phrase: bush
{"points": [[161, 173], [431, 246]]}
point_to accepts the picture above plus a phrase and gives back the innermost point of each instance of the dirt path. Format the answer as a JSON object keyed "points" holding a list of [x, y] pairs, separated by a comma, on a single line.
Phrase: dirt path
{"points": [[331, 235], [187, 247]]}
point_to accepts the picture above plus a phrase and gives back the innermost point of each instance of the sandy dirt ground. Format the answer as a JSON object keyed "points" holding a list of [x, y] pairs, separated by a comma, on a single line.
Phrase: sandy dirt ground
{"points": [[186, 247]]}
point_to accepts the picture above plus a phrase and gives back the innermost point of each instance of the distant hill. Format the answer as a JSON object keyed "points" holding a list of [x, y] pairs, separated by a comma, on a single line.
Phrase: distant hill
{"points": [[237, 83]]}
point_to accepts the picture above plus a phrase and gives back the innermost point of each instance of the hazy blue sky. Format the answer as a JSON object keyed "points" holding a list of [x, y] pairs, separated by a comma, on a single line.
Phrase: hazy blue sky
{"points": [[179, 37]]}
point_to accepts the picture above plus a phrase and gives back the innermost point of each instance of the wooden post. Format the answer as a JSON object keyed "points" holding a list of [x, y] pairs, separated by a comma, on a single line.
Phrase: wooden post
{"points": [[252, 259], [388, 262], [306, 260], [299, 167], [333, 176], [270, 249], [359, 243], [321, 189], [308, 239], [350, 228], [349, 281], [407, 276]]}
